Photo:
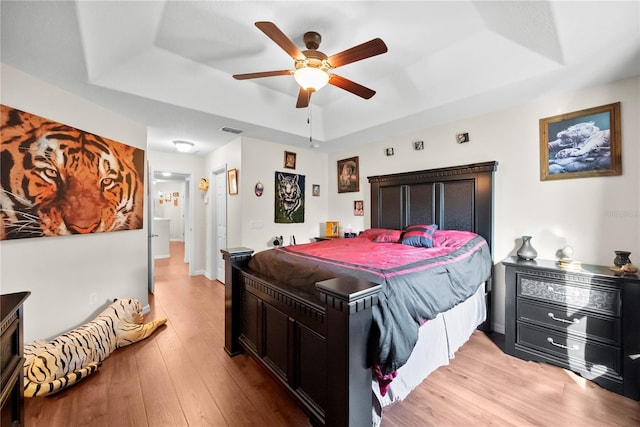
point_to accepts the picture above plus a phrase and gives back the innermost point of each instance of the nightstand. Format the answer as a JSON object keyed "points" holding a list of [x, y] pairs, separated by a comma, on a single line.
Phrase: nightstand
{"points": [[12, 360], [586, 321]]}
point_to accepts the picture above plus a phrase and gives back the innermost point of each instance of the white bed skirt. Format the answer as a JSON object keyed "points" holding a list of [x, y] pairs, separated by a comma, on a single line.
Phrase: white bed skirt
{"points": [[438, 340]]}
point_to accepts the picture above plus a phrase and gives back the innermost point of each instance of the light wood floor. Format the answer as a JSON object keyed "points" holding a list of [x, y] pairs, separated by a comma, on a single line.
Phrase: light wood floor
{"points": [[181, 376]]}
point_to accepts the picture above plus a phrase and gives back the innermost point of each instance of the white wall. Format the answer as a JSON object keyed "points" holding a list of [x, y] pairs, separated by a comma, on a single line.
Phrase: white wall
{"points": [[251, 219], [63, 272], [260, 162], [594, 215], [226, 157]]}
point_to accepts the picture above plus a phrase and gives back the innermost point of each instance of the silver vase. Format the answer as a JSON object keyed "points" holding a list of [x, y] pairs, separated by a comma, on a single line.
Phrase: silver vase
{"points": [[527, 251]]}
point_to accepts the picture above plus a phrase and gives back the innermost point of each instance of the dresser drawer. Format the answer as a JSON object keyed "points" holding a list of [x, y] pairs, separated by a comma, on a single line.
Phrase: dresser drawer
{"points": [[586, 356], [579, 322], [598, 299]]}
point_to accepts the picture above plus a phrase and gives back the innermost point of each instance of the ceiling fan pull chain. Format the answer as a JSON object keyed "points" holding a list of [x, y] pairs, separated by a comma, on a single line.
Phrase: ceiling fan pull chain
{"points": [[309, 122]]}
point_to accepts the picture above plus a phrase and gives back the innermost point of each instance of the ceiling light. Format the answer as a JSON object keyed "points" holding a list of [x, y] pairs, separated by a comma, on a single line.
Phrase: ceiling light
{"points": [[183, 146], [311, 78], [166, 174]]}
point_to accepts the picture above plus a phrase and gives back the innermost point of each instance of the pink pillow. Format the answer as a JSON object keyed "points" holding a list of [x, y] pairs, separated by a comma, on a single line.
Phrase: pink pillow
{"points": [[372, 233], [389, 236]]}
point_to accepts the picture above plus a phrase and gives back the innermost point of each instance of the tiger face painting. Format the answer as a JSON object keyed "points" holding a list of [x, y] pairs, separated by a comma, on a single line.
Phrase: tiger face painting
{"points": [[57, 180], [57, 364], [289, 198]]}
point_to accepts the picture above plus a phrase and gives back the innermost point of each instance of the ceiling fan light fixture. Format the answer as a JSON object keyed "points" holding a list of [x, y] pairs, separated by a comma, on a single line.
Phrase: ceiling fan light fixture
{"points": [[183, 146], [311, 78]]}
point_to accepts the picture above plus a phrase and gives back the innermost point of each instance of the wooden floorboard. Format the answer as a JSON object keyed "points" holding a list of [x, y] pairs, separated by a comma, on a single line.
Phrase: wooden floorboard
{"points": [[181, 376]]}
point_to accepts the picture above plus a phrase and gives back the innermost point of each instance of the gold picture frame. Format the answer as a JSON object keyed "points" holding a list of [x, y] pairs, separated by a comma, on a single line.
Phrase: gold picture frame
{"points": [[289, 160], [232, 181], [581, 144], [348, 175]]}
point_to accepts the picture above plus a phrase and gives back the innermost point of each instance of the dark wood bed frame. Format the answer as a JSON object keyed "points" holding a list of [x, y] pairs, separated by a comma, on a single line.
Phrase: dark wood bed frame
{"points": [[318, 349]]}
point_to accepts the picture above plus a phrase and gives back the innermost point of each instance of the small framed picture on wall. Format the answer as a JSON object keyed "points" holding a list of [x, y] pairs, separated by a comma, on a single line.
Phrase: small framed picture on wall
{"points": [[232, 181], [358, 208], [289, 160]]}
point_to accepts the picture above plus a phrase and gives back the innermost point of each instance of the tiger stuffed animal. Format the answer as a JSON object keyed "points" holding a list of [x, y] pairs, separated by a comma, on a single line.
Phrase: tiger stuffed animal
{"points": [[57, 180], [52, 366]]}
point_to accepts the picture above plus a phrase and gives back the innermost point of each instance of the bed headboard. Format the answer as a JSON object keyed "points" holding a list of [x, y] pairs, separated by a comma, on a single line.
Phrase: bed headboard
{"points": [[454, 198]]}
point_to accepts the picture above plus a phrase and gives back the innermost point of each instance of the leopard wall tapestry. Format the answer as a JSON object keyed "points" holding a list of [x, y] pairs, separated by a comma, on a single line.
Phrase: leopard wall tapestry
{"points": [[289, 198], [57, 180], [53, 366]]}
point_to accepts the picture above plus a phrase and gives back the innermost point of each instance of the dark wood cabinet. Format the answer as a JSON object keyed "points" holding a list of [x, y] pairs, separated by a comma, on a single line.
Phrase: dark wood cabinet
{"points": [[11, 360], [586, 321]]}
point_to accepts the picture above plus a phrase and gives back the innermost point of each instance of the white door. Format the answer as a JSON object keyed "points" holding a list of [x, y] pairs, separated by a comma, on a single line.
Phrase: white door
{"points": [[151, 279], [220, 220], [160, 238]]}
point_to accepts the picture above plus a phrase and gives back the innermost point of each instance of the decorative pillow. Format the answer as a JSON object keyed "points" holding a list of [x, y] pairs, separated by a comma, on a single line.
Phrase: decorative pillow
{"points": [[419, 235], [372, 233], [389, 236]]}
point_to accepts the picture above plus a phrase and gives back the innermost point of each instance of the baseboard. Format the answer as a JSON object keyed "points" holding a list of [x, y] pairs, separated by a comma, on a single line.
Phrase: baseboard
{"points": [[499, 328]]}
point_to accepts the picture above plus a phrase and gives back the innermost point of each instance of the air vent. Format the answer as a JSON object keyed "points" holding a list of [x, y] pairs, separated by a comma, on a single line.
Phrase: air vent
{"points": [[230, 130]]}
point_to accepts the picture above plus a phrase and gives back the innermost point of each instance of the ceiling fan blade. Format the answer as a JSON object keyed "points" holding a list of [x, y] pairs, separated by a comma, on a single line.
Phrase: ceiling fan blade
{"points": [[274, 33], [304, 97], [350, 86], [262, 74], [362, 51]]}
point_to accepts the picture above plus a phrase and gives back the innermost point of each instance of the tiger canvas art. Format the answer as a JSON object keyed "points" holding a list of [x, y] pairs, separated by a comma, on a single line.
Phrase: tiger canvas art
{"points": [[52, 366], [57, 180], [289, 203]]}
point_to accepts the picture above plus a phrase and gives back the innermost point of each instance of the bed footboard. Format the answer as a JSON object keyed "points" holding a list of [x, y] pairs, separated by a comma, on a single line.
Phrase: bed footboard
{"points": [[318, 352]]}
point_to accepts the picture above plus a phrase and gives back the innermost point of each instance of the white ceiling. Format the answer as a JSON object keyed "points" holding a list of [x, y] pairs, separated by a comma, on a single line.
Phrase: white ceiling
{"points": [[168, 64]]}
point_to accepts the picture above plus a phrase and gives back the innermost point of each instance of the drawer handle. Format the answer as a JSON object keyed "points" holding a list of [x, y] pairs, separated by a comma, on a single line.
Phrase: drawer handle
{"points": [[573, 347], [557, 319]]}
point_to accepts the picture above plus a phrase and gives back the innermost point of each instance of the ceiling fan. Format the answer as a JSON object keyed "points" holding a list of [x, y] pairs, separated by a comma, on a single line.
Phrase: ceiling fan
{"points": [[312, 66]]}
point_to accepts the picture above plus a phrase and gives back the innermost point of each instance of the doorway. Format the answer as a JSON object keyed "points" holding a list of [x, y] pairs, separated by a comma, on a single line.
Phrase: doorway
{"points": [[170, 216]]}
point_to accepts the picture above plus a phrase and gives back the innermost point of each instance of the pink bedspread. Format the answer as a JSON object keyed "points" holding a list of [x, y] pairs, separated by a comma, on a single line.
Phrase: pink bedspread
{"points": [[386, 259], [417, 283]]}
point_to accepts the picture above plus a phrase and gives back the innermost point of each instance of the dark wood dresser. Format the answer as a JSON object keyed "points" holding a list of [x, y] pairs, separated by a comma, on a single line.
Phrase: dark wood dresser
{"points": [[587, 321], [11, 361]]}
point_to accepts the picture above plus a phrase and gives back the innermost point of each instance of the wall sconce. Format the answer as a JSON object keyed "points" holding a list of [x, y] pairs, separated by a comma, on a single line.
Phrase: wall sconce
{"points": [[204, 184]]}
